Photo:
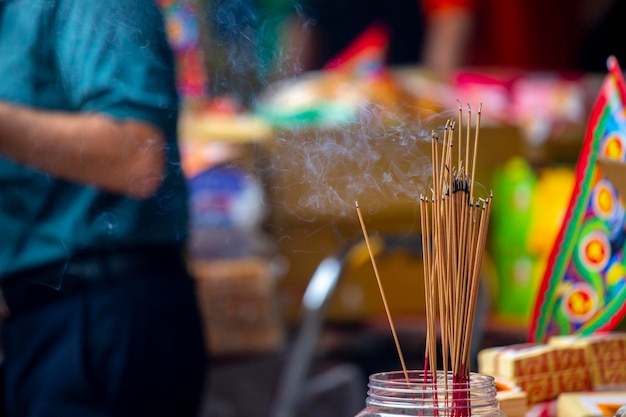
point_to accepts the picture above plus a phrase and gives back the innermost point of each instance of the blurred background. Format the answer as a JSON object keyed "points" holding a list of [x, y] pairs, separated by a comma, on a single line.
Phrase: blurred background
{"points": [[292, 111]]}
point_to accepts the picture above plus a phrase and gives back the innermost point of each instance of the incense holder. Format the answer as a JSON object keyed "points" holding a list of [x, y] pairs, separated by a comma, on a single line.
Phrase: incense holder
{"points": [[418, 393]]}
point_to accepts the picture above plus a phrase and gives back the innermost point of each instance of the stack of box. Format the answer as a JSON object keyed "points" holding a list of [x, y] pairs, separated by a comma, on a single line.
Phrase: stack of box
{"points": [[605, 355], [564, 364], [542, 371]]}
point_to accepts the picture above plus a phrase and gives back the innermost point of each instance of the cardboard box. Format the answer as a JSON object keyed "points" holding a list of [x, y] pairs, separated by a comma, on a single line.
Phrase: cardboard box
{"points": [[513, 401], [524, 360], [548, 386], [590, 404], [239, 305]]}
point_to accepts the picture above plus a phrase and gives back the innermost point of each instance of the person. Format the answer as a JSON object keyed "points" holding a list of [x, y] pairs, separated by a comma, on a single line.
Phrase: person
{"points": [[102, 314], [432, 33], [449, 27]]}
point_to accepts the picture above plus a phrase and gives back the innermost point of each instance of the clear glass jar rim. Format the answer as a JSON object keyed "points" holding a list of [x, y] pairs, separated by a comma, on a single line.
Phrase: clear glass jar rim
{"points": [[391, 389], [418, 377]]}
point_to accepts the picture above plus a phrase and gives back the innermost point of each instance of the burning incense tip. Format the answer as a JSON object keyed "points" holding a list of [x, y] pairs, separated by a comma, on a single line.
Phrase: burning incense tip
{"points": [[356, 204]]}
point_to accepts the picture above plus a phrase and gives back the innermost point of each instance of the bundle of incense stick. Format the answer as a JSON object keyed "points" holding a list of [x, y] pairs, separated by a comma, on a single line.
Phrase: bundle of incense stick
{"points": [[454, 231]]}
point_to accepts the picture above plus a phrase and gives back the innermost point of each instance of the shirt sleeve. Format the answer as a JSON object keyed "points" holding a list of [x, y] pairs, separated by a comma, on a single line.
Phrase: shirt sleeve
{"points": [[113, 57]]}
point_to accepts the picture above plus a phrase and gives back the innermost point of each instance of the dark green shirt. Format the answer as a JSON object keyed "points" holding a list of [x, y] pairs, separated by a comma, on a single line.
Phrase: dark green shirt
{"points": [[108, 56]]}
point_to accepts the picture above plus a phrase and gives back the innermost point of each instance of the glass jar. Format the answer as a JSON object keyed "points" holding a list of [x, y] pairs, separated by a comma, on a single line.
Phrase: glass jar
{"points": [[392, 394]]}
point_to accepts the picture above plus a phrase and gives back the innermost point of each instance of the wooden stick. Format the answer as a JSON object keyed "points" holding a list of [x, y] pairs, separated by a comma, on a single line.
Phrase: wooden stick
{"points": [[435, 159], [440, 263], [430, 359], [475, 149], [460, 141], [382, 292], [467, 137], [481, 242]]}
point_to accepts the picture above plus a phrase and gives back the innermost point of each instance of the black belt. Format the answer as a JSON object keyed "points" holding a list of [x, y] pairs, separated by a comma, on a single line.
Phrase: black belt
{"points": [[38, 286]]}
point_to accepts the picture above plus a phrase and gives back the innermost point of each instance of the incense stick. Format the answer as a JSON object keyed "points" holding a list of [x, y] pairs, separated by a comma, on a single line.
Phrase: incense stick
{"points": [[382, 292], [475, 148], [431, 335], [460, 145]]}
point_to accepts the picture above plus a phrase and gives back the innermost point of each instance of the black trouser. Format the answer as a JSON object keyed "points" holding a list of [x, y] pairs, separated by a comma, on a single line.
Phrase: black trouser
{"points": [[129, 344]]}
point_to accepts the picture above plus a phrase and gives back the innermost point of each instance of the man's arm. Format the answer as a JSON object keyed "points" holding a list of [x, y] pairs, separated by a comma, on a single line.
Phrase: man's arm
{"points": [[446, 40], [449, 30], [126, 157]]}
